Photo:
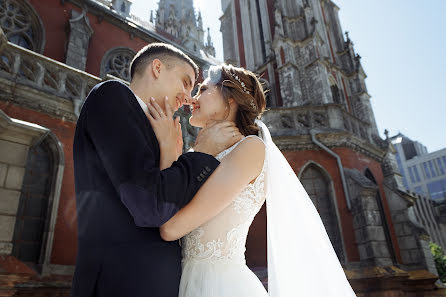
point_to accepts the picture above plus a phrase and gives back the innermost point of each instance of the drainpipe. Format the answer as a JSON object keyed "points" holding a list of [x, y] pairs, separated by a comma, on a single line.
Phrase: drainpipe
{"points": [[338, 159]]}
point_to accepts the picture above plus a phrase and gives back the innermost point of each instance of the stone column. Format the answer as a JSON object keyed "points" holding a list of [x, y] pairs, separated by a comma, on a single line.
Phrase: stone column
{"points": [[290, 88], [78, 40], [411, 234], [367, 223], [16, 137]]}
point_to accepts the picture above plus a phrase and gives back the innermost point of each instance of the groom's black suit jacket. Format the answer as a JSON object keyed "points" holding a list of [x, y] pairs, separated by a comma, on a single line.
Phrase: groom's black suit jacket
{"points": [[122, 198]]}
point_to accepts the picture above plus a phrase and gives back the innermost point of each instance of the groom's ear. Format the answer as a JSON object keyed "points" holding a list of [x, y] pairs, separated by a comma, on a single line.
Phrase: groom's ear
{"points": [[156, 67]]}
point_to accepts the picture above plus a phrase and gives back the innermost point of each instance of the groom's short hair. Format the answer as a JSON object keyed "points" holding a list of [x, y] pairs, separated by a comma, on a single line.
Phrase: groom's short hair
{"points": [[161, 51]]}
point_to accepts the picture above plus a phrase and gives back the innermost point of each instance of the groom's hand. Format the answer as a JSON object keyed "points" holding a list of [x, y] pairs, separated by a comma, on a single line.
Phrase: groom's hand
{"points": [[216, 137]]}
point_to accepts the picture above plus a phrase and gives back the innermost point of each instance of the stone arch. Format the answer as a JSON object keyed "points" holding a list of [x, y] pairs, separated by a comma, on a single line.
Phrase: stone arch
{"points": [[319, 186], [116, 62], [336, 93], [22, 25], [39, 203], [368, 173]]}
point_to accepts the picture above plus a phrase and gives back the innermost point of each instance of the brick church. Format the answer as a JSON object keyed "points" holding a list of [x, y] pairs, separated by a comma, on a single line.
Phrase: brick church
{"points": [[53, 52], [321, 118]]}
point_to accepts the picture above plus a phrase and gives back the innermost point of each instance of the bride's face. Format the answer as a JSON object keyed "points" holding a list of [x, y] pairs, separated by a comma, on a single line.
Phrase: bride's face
{"points": [[208, 104]]}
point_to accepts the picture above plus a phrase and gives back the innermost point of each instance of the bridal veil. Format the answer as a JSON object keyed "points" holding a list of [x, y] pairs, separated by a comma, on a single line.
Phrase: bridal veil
{"points": [[301, 258]]}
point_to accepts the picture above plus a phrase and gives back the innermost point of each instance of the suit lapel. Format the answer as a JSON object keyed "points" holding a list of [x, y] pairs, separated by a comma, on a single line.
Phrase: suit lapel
{"points": [[143, 123]]}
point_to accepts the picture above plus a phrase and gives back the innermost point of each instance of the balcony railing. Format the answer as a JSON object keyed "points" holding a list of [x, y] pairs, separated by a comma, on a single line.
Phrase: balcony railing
{"points": [[27, 68], [299, 120]]}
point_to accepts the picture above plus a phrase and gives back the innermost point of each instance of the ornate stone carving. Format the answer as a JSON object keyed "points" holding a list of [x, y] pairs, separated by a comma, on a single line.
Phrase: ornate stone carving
{"points": [[286, 122], [171, 24], [116, 62], [278, 25], [303, 120], [22, 25], [320, 120], [363, 132], [78, 40]]}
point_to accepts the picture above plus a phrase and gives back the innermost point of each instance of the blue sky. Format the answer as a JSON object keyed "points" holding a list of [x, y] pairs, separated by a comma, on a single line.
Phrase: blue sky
{"points": [[403, 47]]}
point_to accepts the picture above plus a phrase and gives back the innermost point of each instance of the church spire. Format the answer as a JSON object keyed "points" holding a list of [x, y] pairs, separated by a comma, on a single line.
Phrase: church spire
{"points": [[179, 19], [209, 48], [200, 21], [122, 7]]}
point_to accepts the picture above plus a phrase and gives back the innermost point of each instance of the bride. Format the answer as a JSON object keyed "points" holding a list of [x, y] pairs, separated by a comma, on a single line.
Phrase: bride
{"points": [[213, 227]]}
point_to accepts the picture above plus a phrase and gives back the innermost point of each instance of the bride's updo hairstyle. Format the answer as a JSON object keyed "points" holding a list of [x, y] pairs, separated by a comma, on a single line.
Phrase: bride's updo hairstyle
{"points": [[245, 88]]}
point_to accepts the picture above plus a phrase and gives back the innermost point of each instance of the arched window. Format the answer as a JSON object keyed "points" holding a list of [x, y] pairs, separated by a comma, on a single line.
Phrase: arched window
{"points": [[38, 204], [116, 62], [22, 25], [336, 94], [317, 185], [37, 184], [33, 205]]}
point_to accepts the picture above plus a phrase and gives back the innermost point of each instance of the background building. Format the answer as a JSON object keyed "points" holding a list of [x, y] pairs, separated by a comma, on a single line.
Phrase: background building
{"points": [[423, 173], [321, 118]]}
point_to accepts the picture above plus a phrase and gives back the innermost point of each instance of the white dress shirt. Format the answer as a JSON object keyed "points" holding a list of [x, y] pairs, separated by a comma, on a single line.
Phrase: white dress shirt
{"points": [[143, 105]]}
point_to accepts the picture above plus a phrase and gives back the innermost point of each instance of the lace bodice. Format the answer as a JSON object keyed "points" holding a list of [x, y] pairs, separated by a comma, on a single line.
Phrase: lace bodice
{"points": [[223, 238]]}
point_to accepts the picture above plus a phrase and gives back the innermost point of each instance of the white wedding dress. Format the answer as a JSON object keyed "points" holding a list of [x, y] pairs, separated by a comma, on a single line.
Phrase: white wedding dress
{"points": [[214, 253]]}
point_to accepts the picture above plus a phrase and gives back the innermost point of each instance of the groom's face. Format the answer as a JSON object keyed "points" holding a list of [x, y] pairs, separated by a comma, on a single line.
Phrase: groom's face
{"points": [[177, 81]]}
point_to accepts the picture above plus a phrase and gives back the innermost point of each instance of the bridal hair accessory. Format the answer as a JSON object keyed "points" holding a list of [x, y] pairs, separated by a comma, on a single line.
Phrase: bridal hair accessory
{"points": [[215, 75], [251, 102], [241, 83]]}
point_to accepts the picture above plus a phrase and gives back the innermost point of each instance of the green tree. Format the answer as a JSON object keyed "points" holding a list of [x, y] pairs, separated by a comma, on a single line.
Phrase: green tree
{"points": [[440, 260]]}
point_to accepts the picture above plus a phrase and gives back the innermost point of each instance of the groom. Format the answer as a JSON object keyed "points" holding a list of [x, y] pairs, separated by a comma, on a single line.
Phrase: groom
{"points": [[122, 196]]}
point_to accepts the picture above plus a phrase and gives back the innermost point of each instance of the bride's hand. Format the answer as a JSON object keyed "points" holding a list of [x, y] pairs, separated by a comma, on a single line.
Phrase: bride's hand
{"points": [[167, 131]]}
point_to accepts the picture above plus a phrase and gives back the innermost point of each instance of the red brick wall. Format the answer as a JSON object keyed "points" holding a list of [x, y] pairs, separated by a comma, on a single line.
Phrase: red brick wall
{"points": [[107, 36], [55, 16], [256, 244], [65, 234]]}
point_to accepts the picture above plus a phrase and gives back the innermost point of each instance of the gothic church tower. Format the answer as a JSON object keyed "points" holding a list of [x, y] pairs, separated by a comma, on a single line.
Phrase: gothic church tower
{"points": [[320, 116], [178, 19], [315, 64]]}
